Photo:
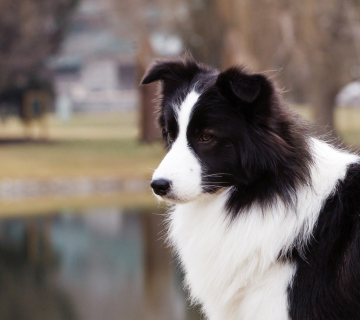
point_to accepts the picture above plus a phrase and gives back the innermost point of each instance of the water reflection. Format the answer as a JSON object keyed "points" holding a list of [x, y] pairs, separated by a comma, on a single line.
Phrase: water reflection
{"points": [[99, 264]]}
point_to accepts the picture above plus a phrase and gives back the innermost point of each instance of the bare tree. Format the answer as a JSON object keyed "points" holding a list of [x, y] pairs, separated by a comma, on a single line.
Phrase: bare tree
{"points": [[312, 43], [30, 31], [330, 46], [203, 34]]}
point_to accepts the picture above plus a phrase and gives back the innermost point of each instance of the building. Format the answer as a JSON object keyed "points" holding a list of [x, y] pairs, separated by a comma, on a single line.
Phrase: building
{"points": [[95, 70]]}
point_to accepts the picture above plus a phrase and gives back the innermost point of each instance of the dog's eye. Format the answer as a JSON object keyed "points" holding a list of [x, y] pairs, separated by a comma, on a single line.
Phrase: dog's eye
{"points": [[205, 138], [170, 137]]}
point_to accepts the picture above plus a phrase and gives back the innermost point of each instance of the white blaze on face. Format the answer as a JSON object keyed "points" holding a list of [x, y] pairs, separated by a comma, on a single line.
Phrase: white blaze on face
{"points": [[180, 166]]}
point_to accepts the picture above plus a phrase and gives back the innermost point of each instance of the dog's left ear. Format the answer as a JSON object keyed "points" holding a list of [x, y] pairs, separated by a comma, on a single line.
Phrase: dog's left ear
{"points": [[236, 84]]}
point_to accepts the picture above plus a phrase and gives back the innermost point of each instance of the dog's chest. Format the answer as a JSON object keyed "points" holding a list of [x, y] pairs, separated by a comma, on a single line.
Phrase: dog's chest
{"points": [[229, 263]]}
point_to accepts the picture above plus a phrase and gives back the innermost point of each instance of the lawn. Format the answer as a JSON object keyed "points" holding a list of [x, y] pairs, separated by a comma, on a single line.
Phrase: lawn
{"points": [[88, 146]]}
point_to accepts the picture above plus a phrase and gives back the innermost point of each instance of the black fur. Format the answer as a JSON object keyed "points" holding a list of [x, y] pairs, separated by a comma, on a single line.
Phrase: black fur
{"points": [[250, 127], [327, 282]]}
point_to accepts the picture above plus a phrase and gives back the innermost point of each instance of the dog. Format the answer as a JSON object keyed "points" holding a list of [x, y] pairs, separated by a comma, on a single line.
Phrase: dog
{"points": [[265, 217]]}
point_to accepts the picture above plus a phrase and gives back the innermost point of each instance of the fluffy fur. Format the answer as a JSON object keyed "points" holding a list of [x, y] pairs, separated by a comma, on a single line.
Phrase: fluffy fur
{"points": [[266, 217]]}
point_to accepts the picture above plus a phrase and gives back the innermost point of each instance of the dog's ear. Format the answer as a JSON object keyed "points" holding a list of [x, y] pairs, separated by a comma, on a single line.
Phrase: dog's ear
{"points": [[235, 84], [158, 71], [172, 71]]}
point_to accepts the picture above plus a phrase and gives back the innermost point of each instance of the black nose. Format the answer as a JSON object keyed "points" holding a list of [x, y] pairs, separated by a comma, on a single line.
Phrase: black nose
{"points": [[160, 186]]}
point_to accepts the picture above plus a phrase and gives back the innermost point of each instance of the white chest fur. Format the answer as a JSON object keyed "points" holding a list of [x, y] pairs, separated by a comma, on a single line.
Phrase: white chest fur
{"points": [[232, 268]]}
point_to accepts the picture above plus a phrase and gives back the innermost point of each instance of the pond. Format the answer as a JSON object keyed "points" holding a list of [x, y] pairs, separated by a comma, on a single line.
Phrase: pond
{"points": [[95, 264]]}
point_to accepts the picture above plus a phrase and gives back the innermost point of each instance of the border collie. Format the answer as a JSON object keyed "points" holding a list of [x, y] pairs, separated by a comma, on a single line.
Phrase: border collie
{"points": [[266, 218]]}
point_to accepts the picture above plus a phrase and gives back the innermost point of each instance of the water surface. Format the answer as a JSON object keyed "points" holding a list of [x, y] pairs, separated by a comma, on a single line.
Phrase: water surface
{"points": [[96, 264]]}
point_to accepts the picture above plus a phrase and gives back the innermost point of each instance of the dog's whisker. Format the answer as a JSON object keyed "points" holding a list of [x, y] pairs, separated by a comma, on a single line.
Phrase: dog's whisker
{"points": [[213, 184], [217, 174]]}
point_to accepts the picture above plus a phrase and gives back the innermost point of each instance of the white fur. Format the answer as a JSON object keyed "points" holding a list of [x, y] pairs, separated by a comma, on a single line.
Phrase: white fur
{"points": [[232, 268], [180, 165]]}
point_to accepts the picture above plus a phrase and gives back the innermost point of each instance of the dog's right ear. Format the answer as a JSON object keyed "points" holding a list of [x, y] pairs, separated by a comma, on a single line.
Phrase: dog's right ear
{"points": [[156, 72], [172, 71]]}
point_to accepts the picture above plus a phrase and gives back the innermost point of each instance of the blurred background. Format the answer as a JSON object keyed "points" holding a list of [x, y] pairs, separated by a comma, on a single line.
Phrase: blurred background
{"points": [[81, 236]]}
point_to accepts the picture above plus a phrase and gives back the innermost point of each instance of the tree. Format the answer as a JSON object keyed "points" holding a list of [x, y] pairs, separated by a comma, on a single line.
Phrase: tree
{"points": [[30, 31], [312, 43]]}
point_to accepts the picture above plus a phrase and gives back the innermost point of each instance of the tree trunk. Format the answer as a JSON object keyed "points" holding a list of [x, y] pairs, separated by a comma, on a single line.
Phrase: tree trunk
{"points": [[323, 103], [149, 131]]}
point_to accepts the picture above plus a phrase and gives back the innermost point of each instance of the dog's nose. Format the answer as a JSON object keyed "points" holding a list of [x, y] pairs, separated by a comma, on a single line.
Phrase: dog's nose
{"points": [[160, 186]]}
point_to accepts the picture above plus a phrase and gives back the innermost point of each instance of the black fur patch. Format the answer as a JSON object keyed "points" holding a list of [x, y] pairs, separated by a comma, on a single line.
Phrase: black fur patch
{"points": [[327, 281]]}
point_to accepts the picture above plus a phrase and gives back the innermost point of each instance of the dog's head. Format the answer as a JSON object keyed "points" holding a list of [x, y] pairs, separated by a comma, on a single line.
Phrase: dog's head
{"points": [[222, 129]]}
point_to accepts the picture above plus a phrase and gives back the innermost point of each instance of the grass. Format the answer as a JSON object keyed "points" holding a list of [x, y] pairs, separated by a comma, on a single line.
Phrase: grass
{"points": [[108, 126], [90, 145], [76, 158]]}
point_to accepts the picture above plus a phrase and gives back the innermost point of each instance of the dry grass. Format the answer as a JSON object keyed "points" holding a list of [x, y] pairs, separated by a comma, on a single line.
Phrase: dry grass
{"points": [[80, 158], [90, 145], [106, 126]]}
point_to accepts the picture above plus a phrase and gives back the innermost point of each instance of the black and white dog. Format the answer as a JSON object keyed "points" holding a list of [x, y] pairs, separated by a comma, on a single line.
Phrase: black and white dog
{"points": [[266, 220]]}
